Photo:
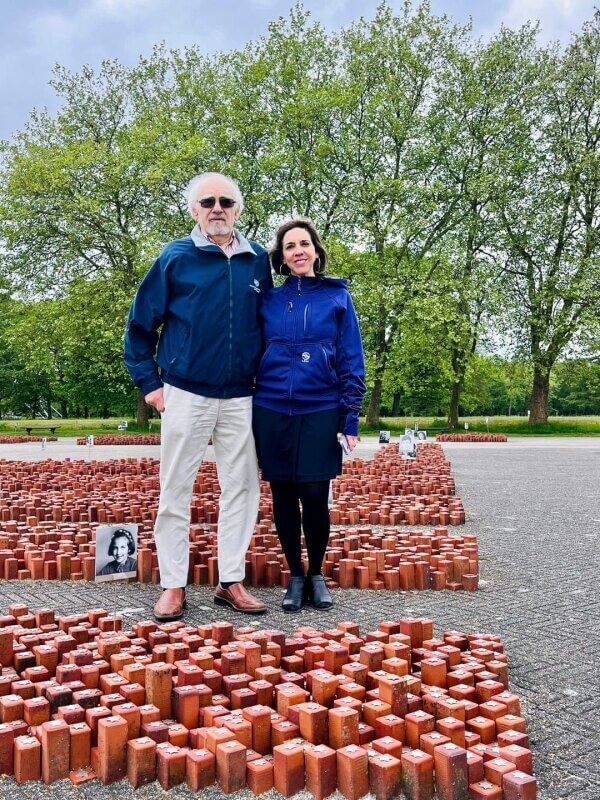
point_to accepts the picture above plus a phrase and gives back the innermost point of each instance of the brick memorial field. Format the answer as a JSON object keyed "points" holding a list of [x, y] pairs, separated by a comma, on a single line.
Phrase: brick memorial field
{"points": [[128, 438], [471, 437], [382, 711], [26, 439], [49, 511]]}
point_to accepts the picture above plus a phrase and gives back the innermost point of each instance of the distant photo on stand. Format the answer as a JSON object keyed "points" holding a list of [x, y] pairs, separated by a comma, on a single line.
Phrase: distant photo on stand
{"points": [[116, 552]]}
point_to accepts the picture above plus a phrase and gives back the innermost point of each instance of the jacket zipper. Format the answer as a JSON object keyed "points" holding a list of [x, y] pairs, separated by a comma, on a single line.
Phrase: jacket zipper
{"points": [[230, 316], [290, 306]]}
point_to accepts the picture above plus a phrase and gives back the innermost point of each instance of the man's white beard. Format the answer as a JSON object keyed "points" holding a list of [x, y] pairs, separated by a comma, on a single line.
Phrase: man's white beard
{"points": [[219, 228]]}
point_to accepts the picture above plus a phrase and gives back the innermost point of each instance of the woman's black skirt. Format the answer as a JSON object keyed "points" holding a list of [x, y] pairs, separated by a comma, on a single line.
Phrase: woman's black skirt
{"points": [[300, 448]]}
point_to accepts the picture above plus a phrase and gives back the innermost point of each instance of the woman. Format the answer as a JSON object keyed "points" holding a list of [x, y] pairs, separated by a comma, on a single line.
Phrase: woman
{"points": [[122, 549], [309, 388]]}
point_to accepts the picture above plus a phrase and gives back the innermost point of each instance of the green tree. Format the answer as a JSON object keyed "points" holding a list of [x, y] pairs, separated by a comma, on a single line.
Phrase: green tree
{"points": [[477, 96], [549, 206]]}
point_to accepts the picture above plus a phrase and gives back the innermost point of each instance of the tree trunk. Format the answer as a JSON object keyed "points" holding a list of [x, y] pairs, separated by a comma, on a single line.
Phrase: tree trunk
{"points": [[538, 408], [142, 410], [396, 404], [375, 401], [453, 413], [458, 369], [63, 408]]}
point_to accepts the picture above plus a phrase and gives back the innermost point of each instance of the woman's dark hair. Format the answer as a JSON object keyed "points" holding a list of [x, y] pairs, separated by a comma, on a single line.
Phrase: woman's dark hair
{"points": [[276, 254], [121, 533]]}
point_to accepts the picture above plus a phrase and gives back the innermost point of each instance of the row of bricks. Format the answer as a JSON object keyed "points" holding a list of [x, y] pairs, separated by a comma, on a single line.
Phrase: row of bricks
{"points": [[365, 479], [59, 751], [152, 438], [388, 560], [400, 491], [343, 719], [25, 439], [471, 437], [135, 499]]}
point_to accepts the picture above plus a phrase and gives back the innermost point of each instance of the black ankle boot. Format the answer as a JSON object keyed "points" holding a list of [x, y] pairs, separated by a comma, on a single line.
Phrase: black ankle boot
{"points": [[294, 597], [318, 592]]}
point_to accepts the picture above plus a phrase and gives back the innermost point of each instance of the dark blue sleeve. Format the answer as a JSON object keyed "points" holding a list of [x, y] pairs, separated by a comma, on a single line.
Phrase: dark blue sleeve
{"points": [[146, 315], [350, 367]]}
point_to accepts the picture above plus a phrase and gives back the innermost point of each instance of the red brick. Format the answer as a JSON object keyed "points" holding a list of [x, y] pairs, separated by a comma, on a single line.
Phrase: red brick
{"points": [[484, 790], [343, 727], [7, 742], [27, 759], [112, 749], [141, 761], [200, 769], [384, 776], [519, 786], [320, 764], [387, 745], [288, 761], [170, 765], [496, 768], [231, 766], [352, 772], [55, 738], [158, 687], [451, 772], [416, 724], [80, 745], [259, 717], [417, 775]]}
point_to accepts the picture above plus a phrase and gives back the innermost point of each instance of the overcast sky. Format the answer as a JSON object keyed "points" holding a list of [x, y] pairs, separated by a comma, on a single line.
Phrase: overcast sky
{"points": [[37, 34]]}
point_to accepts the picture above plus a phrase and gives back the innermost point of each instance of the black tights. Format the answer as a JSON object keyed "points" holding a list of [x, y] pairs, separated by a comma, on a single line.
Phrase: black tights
{"points": [[314, 496]]}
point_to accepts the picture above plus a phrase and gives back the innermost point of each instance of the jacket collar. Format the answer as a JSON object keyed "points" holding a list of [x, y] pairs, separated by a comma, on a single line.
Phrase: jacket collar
{"points": [[201, 241], [309, 284]]}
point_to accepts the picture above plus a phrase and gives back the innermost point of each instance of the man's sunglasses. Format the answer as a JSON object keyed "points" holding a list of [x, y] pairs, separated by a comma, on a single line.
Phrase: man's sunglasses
{"points": [[210, 202]]}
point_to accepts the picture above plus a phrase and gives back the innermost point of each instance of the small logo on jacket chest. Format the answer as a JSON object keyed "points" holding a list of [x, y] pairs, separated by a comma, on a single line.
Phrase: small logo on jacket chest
{"points": [[255, 285], [305, 357]]}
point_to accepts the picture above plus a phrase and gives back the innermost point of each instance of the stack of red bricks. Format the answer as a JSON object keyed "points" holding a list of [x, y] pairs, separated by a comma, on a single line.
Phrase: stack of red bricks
{"points": [[356, 557], [49, 511], [391, 490], [25, 439], [471, 437], [131, 438], [323, 710]]}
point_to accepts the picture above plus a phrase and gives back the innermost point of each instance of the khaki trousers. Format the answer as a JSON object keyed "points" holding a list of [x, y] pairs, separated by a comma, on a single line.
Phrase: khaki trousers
{"points": [[188, 421]]}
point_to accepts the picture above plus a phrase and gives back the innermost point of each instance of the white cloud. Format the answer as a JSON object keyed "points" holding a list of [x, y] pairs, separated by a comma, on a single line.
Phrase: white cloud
{"points": [[557, 18], [119, 8]]}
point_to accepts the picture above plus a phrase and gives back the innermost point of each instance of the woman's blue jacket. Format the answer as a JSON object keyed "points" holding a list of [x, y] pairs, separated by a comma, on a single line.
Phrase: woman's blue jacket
{"points": [[313, 359]]}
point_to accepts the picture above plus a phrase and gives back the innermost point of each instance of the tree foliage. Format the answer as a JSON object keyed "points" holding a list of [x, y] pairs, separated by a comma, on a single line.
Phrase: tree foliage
{"points": [[455, 182]]}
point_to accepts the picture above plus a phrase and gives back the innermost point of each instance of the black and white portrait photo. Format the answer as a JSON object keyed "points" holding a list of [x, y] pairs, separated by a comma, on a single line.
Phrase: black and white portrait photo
{"points": [[116, 552]]}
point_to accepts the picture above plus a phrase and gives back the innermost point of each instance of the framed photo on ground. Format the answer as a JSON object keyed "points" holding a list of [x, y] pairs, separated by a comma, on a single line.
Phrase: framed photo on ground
{"points": [[116, 552]]}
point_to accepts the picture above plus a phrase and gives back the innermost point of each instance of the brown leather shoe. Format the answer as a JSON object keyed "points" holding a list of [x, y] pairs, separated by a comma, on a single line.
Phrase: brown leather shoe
{"points": [[170, 607], [239, 598]]}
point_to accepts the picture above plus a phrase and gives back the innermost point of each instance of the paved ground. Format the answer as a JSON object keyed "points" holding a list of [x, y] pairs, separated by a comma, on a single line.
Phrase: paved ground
{"points": [[534, 505]]}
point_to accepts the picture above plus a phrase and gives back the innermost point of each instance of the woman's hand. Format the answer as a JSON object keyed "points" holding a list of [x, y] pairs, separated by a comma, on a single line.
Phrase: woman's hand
{"points": [[352, 442]]}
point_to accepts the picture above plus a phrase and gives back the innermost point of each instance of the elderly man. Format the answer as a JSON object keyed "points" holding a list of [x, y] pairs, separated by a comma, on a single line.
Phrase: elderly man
{"points": [[204, 290]]}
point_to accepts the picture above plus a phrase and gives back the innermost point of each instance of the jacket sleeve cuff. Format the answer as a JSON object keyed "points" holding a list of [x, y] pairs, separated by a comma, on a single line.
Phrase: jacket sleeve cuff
{"points": [[150, 385], [351, 424]]}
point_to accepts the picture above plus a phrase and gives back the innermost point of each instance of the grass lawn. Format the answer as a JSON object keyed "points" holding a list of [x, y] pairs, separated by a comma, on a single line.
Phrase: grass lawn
{"points": [[74, 427], [512, 426]]}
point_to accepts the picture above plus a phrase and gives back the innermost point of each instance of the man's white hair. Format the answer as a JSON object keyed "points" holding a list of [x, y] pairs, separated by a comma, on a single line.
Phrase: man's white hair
{"points": [[192, 190]]}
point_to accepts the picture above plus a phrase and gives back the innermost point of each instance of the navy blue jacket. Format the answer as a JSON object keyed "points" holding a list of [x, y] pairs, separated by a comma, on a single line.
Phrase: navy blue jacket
{"points": [[314, 358], [207, 304]]}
